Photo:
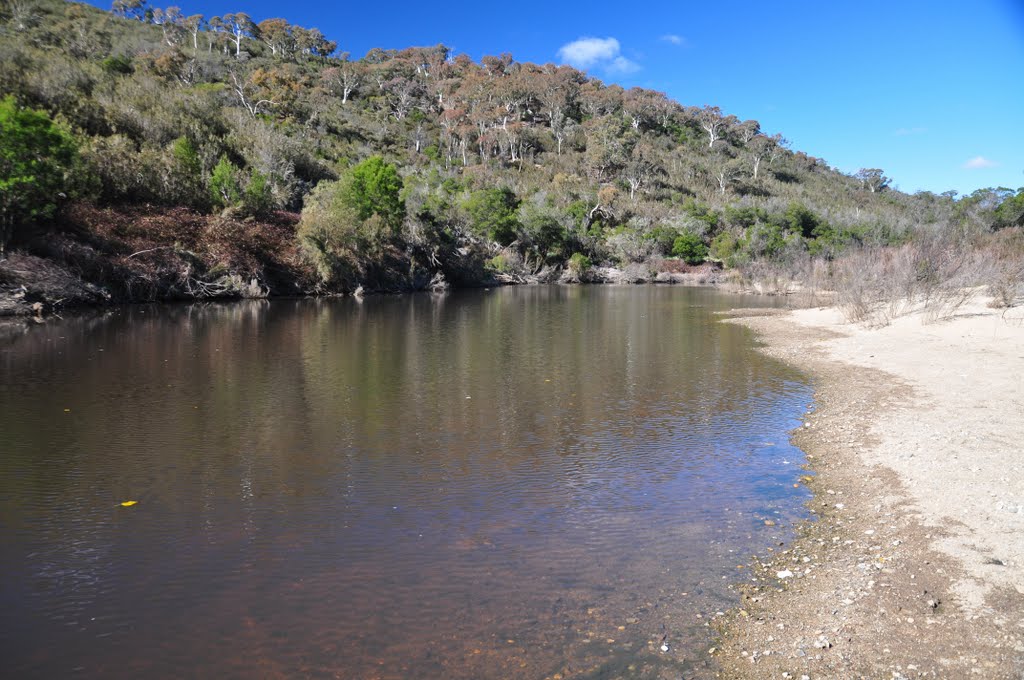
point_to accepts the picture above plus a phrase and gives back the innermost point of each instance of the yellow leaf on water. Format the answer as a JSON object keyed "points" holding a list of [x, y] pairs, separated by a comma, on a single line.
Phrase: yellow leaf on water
{"points": [[128, 504]]}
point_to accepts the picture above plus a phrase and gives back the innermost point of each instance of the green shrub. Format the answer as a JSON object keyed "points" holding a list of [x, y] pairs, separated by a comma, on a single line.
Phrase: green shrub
{"points": [[701, 212], [335, 237], [119, 64], [542, 230], [800, 220], [549, 237], [664, 238], [373, 187], [492, 214], [579, 265], [690, 247], [257, 198], [724, 247], [183, 181], [745, 216], [224, 189], [766, 241], [186, 156], [433, 153], [35, 155], [329, 233], [1010, 212], [499, 263]]}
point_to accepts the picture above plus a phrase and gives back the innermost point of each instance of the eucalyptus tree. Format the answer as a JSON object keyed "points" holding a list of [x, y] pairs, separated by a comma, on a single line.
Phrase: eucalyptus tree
{"points": [[641, 168], [194, 25], [725, 170], [23, 14], [239, 25], [245, 89], [171, 23], [342, 80], [641, 106], [711, 121], [277, 35], [558, 94], [129, 9], [872, 179], [758, 148]]}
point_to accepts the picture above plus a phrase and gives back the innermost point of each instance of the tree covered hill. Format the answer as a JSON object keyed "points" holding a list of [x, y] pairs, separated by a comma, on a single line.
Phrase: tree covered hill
{"points": [[408, 167]]}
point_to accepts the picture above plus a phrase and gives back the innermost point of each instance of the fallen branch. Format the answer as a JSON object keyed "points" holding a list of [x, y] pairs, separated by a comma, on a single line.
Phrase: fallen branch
{"points": [[149, 250]]}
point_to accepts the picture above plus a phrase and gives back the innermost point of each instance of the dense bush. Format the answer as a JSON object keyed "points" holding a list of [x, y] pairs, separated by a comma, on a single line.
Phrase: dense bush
{"points": [[579, 265], [348, 225], [373, 187], [35, 155], [690, 248], [492, 214]]}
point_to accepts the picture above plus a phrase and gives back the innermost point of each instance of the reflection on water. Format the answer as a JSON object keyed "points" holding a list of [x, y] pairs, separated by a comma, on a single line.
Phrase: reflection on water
{"points": [[487, 484]]}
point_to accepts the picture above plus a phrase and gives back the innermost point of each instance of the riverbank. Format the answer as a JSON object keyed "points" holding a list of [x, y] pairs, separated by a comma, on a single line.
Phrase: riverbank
{"points": [[96, 257], [914, 566]]}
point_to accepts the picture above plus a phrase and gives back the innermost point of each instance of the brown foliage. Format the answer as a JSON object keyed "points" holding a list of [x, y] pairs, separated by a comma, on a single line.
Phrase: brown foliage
{"points": [[167, 253]]}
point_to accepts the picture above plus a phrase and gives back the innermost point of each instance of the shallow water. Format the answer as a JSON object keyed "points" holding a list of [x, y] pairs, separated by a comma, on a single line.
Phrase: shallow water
{"points": [[488, 484]]}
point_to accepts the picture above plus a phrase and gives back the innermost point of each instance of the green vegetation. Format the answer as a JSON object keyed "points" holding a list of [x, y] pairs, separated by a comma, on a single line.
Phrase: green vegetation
{"points": [[690, 247], [373, 187], [224, 189], [579, 264], [35, 154], [409, 165], [492, 214], [349, 225]]}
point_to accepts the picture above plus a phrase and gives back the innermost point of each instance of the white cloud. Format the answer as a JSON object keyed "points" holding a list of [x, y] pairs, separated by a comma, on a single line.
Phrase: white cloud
{"points": [[586, 52], [605, 53], [622, 65], [979, 162], [674, 39]]}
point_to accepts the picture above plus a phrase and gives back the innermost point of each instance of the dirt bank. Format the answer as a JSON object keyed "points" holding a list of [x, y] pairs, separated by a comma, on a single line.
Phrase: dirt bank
{"points": [[97, 256], [915, 565]]}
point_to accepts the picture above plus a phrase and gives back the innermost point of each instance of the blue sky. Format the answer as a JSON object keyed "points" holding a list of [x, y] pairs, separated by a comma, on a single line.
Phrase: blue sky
{"points": [[931, 92]]}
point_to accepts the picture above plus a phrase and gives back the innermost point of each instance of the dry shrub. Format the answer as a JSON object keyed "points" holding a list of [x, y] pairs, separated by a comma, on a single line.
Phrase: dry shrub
{"points": [[805, 280], [1006, 275], [1006, 286], [765, 277], [859, 281], [934, 275], [669, 265], [811, 281], [637, 272]]}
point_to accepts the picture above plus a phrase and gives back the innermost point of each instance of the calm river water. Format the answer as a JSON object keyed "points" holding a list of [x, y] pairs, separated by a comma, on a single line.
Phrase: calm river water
{"points": [[509, 483]]}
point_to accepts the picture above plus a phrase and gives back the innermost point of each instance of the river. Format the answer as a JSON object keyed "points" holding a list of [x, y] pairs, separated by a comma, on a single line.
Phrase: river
{"points": [[506, 483]]}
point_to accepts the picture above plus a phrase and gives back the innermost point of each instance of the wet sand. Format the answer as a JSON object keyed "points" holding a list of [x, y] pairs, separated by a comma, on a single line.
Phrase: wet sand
{"points": [[914, 565]]}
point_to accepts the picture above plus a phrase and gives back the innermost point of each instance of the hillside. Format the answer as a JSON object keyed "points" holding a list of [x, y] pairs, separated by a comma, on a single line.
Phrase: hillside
{"points": [[211, 156]]}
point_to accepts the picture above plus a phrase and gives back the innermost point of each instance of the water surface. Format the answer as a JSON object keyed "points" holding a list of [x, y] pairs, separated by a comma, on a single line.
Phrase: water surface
{"points": [[488, 484]]}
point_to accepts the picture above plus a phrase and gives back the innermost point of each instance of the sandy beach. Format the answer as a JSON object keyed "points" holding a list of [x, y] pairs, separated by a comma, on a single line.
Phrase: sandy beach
{"points": [[914, 563]]}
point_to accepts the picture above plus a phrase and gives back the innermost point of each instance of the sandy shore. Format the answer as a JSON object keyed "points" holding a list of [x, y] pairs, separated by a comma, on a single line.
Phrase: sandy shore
{"points": [[914, 566]]}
